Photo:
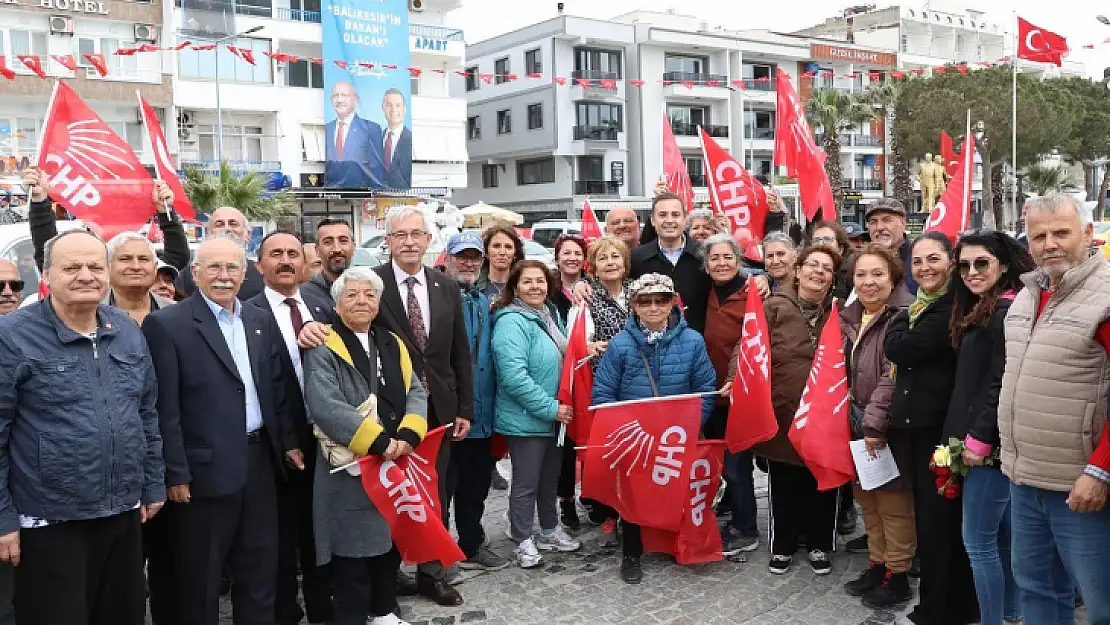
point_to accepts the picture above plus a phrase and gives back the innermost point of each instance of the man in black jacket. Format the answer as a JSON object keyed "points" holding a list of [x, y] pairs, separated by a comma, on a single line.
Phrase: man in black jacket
{"points": [[335, 244]]}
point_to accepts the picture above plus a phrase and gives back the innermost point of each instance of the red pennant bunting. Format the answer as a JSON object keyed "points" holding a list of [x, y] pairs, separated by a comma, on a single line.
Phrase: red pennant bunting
{"points": [[146, 47], [317, 60], [132, 51], [636, 83], [739, 84], [608, 84], [204, 48], [713, 83], [415, 71], [390, 66], [486, 78], [66, 60], [582, 82], [510, 77], [874, 75], [919, 71], [986, 64], [99, 62], [366, 65], [897, 75], [33, 63], [340, 64], [534, 75], [559, 80], [962, 68], [439, 71], [4, 70], [460, 73], [939, 69], [827, 74], [181, 46], [689, 84], [242, 53]]}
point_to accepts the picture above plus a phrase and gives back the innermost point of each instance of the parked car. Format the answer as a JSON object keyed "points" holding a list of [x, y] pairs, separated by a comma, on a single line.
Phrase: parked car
{"points": [[545, 232], [535, 251], [16, 246], [365, 257]]}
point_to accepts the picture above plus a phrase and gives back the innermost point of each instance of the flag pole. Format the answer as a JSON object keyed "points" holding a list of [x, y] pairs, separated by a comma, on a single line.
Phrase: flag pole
{"points": [[1013, 123], [153, 148], [969, 162]]}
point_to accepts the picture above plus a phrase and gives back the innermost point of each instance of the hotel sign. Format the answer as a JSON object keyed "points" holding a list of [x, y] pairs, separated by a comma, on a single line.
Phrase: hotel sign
{"points": [[826, 52], [73, 6]]}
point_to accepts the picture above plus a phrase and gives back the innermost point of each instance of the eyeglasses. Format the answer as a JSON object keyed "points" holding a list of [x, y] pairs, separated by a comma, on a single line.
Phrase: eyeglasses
{"points": [[655, 300], [813, 265], [15, 285], [981, 265], [415, 235], [823, 240], [215, 269]]}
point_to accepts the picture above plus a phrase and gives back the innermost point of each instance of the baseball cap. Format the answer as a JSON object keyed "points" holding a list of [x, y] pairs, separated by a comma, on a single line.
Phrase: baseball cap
{"points": [[464, 241], [164, 266], [885, 205], [650, 283], [854, 230]]}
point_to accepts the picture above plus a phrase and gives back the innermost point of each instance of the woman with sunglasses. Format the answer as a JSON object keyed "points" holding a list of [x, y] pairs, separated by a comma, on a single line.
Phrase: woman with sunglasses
{"points": [[923, 371], [990, 265], [796, 314]]}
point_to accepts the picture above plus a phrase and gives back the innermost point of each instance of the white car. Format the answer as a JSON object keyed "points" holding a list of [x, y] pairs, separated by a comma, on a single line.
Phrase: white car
{"points": [[16, 246]]}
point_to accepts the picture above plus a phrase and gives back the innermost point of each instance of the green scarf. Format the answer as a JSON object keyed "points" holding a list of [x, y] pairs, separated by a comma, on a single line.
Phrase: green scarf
{"points": [[924, 300]]}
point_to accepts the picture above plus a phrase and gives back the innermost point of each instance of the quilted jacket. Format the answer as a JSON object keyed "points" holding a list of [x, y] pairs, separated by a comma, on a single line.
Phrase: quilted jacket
{"points": [[528, 364]]}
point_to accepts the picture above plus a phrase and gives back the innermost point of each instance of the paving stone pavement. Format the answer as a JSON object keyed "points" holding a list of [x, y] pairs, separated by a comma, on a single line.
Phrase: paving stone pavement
{"points": [[585, 587]]}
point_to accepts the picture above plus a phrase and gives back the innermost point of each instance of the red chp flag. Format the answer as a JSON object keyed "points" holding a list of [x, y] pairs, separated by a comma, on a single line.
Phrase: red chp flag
{"points": [[733, 191], [820, 431], [751, 416], [795, 149], [591, 227], [698, 540], [1040, 45], [948, 153], [577, 380], [674, 167], [406, 493], [953, 210], [93, 173], [638, 458], [162, 163]]}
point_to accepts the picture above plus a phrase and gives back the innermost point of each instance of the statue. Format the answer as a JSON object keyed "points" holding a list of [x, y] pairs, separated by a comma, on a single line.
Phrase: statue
{"points": [[942, 176], [927, 177]]}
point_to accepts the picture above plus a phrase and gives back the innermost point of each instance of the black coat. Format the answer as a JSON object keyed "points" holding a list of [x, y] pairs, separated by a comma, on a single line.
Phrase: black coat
{"points": [[973, 408], [690, 280], [925, 366]]}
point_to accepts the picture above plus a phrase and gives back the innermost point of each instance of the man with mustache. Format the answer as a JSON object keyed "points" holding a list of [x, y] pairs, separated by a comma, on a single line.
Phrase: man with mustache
{"points": [[228, 223], [335, 244], [282, 263], [11, 289], [886, 225]]}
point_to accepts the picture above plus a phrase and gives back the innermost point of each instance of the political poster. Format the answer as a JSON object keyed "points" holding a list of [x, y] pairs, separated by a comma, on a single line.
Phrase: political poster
{"points": [[368, 122]]}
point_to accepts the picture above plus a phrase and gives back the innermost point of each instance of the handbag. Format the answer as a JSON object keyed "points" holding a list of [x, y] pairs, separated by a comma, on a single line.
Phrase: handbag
{"points": [[855, 419], [340, 455]]}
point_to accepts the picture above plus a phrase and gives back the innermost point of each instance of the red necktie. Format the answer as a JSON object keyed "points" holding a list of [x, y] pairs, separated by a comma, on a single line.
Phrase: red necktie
{"points": [[339, 140], [295, 315], [388, 149]]}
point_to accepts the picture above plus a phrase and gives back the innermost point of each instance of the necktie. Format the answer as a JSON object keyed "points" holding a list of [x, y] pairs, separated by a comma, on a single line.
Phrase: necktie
{"points": [[416, 316], [389, 156], [339, 139], [295, 315]]}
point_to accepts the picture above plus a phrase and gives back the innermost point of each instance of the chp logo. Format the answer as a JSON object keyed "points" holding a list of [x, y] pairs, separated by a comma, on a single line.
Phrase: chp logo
{"points": [[408, 486], [95, 153], [632, 438], [753, 352]]}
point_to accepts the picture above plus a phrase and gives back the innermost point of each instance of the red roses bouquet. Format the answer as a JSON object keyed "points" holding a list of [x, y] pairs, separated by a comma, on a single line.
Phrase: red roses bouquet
{"points": [[948, 465]]}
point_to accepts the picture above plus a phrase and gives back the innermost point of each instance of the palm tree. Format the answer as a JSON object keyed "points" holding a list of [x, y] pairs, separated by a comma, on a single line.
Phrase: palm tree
{"points": [[836, 112], [246, 191], [885, 95], [1045, 179]]}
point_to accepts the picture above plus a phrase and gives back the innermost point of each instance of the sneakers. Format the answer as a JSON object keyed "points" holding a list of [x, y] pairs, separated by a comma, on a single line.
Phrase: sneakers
{"points": [[894, 590], [527, 556], [631, 571], [819, 562], [388, 619], [733, 542], [568, 514], [609, 538], [484, 560], [556, 540], [867, 580], [779, 565], [498, 481], [857, 545]]}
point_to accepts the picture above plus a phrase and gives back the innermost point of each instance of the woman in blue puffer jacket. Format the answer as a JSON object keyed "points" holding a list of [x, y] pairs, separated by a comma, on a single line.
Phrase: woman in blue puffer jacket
{"points": [[656, 355]]}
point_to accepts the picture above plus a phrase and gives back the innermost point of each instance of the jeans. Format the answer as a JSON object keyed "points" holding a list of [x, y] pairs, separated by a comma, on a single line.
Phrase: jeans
{"points": [[468, 482], [1054, 550], [986, 533], [741, 493]]}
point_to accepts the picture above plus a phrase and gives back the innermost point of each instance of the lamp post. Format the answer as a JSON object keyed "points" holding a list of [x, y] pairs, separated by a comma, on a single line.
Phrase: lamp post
{"points": [[219, 110], [1105, 20]]}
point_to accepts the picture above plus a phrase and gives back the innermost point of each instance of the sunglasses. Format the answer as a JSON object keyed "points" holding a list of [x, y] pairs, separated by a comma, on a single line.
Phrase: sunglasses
{"points": [[981, 265], [657, 300], [14, 285]]}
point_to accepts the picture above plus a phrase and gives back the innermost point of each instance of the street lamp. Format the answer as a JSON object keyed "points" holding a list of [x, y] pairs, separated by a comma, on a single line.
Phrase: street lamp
{"points": [[1105, 20], [219, 111]]}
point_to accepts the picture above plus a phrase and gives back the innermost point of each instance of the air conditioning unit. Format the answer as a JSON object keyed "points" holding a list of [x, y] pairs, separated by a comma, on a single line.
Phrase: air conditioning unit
{"points": [[61, 25], [184, 118], [187, 134], [416, 6], [146, 32]]}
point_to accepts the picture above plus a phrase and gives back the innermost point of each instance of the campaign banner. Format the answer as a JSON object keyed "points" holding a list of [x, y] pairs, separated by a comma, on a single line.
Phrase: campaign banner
{"points": [[368, 136]]}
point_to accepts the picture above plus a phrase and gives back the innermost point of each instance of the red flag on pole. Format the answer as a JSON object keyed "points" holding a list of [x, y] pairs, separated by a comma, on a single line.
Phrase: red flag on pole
{"points": [[93, 172], [948, 153], [162, 163], [796, 150], [733, 191], [698, 540], [751, 416], [820, 431], [1040, 45], [577, 379], [674, 167], [953, 210], [154, 232], [406, 492], [591, 228], [99, 62], [638, 456]]}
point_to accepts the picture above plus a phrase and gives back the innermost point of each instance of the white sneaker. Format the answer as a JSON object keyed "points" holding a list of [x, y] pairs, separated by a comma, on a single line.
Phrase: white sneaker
{"points": [[527, 556], [388, 619], [556, 540]]}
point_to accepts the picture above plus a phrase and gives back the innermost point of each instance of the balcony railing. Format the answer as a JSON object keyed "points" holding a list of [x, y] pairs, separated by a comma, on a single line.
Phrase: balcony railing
{"points": [[597, 187], [697, 180], [867, 141], [762, 133], [595, 74], [297, 15], [862, 184], [313, 17], [595, 133], [236, 166], [435, 32], [751, 84], [695, 77], [691, 130]]}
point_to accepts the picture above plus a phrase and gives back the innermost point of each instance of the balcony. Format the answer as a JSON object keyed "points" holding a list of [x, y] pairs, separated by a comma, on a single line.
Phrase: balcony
{"points": [[862, 184], [238, 167], [691, 130], [286, 14], [750, 84], [866, 141], [597, 187], [298, 15], [764, 134], [596, 133], [435, 32], [594, 74], [694, 77]]}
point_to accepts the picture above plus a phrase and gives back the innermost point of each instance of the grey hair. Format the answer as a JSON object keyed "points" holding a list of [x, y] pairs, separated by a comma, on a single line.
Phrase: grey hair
{"points": [[404, 212], [699, 213], [779, 237], [223, 236], [1054, 201], [124, 238], [48, 249], [357, 274], [718, 239]]}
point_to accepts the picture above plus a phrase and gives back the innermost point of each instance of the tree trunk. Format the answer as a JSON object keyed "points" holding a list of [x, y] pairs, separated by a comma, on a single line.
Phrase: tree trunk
{"points": [[999, 197], [903, 183], [1088, 181], [832, 167], [1102, 192]]}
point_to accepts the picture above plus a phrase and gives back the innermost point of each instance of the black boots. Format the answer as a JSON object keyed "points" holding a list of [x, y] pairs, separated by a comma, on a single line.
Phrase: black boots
{"points": [[893, 591], [631, 572], [868, 580]]}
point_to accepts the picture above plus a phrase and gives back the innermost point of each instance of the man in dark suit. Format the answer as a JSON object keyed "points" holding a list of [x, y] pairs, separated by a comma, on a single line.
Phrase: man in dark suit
{"points": [[424, 308], [353, 145], [228, 222], [281, 261], [396, 142], [225, 422]]}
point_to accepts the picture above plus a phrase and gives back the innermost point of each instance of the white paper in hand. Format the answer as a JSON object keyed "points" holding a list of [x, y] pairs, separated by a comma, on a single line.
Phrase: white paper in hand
{"points": [[873, 471]]}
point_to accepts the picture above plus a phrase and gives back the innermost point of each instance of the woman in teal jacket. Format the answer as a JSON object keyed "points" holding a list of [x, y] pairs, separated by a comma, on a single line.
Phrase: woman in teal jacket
{"points": [[528, 347]]}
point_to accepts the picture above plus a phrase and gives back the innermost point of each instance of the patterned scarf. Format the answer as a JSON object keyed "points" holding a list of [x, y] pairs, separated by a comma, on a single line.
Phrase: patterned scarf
{"points": [[924, 300]]}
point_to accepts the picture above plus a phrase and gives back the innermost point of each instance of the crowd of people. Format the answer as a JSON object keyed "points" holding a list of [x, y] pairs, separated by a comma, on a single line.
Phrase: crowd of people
{"points": [[170, 427]]}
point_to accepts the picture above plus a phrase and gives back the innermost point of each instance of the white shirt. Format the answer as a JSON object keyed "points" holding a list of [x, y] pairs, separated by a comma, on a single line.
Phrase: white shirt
{"points": [[396, 132], [284, 317], [421, 291], [342, 128]]}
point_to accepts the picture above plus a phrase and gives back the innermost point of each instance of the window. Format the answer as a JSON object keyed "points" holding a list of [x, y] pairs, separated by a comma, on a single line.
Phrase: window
{"points": [[686, 64], [535, 116], [686, 119], [304, 73], [540, 171], [694, 169], [501, 70], [599, 64], [504, 122], [241, 143], [257, 8], [200, 65], [26, 135], [472, 80], [414, 85], [760, 124], [489, 176], [532, 62], [132, 132], [312, 144], [753, 71], [824, 78], [27, 42], [591, 168], [474, 127], [600, 115]]}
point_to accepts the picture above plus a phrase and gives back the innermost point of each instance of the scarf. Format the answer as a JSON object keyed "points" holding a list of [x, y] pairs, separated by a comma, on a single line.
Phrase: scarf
{"points": [[924, 300], [548, 322]]}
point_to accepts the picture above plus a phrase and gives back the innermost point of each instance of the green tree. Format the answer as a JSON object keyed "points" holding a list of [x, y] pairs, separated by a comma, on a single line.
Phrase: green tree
{"points": [[245, 191], [1045, 179], [1091, 148], [836, 112], [885, 95]]}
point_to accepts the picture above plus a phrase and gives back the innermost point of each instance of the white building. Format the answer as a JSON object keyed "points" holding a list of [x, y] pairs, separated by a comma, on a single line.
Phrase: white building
{"points": [[273, 112]]}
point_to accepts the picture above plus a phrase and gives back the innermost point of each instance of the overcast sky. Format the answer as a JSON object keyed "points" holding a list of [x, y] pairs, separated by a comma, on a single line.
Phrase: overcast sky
{"points": [[1075, 19]]}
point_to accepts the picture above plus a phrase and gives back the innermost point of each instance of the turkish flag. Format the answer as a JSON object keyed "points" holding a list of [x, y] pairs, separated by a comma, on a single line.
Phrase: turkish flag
{"points": [[406, 493], [796, 150], [5, 71], [93, 172], [577, 380], [33, 63], [99, 62], [674, 167], [154, 232], [243, 53], [1038, 44], [733, 191], [697, 540], [162, 163], [751, 417], [638, 456], [591, 228], [952, 212], [66, 60], [948, 153], [820, 431]]}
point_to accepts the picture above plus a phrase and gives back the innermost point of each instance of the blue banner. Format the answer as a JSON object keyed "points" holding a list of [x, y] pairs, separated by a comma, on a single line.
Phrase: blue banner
{"points": [[368, 123]]}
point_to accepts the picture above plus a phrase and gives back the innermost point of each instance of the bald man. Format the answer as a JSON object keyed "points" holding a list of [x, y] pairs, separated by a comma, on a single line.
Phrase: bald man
{"points": [[11, 287], [623, 223], [227, 221]]}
